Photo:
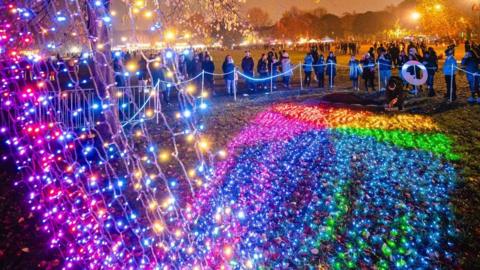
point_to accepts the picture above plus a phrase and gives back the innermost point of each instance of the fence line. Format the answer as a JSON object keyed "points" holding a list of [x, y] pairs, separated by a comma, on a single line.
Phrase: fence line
{"points": [[82, 108]]}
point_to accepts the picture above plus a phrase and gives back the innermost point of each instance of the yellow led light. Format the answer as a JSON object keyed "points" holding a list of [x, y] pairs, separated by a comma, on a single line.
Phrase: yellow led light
{"points": [[149, 113], [139, 3], [190, 138], [190, 89], [164, 156], [158, 226], [137, 186], [153, 205], [132, 66], [203, 144], [167, 202], [119, 94], [191, 173]]}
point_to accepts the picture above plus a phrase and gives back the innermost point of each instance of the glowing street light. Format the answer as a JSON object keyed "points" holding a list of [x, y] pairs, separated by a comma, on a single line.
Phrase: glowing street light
{"points": [[415, 16], [438, 7]]}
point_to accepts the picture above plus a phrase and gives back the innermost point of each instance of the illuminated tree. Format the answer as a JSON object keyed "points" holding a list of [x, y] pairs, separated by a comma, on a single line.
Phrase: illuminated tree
{"points": [[441, 17], [258, 17]]}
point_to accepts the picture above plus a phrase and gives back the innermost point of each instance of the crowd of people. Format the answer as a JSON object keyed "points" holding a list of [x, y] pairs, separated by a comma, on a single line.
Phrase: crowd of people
{"points": [[169, 67]]}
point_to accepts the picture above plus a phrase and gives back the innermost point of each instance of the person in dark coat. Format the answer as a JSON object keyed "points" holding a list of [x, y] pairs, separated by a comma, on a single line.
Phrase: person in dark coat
{"points": [[209, 68], [182, 67], [142, 72], [368, 64], [248, 66], [431, 65], [470, 64], [307, 69], [402, 60], [228, 69], [262, 69], [320, 71], [331, 69]]}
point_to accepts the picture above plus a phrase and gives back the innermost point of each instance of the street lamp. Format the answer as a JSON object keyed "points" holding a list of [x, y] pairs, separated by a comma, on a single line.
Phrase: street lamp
{"points": [[415, 16]]}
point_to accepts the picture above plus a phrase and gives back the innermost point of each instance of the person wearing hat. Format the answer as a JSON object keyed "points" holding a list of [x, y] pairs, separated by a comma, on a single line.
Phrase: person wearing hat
{"points": [[449, 70]]}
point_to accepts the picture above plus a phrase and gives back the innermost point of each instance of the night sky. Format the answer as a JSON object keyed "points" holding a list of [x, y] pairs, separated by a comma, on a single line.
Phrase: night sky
{"points": [[277, 7]]}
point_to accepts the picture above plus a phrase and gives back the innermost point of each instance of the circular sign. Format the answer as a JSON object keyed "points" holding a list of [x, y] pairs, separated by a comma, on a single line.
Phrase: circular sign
{"points": [[411, 77]]}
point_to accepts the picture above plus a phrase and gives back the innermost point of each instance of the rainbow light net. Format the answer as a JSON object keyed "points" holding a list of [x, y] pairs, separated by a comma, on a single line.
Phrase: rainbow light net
{"points": [[331, 188]]}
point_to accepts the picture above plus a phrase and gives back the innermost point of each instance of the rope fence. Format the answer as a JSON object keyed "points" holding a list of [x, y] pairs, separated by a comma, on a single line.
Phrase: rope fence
{"points": [[83, 108]]}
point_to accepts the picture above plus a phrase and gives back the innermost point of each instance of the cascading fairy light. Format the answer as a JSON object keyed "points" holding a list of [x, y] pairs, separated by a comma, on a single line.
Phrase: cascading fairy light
{"points": [[302, 186], [106, 203]]}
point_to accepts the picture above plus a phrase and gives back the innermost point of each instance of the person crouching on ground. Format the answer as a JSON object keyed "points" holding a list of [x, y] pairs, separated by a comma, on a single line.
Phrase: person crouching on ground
{"points": [[394, 94], [449, 70], [228, 68], [470, 64], [355, 72]]}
